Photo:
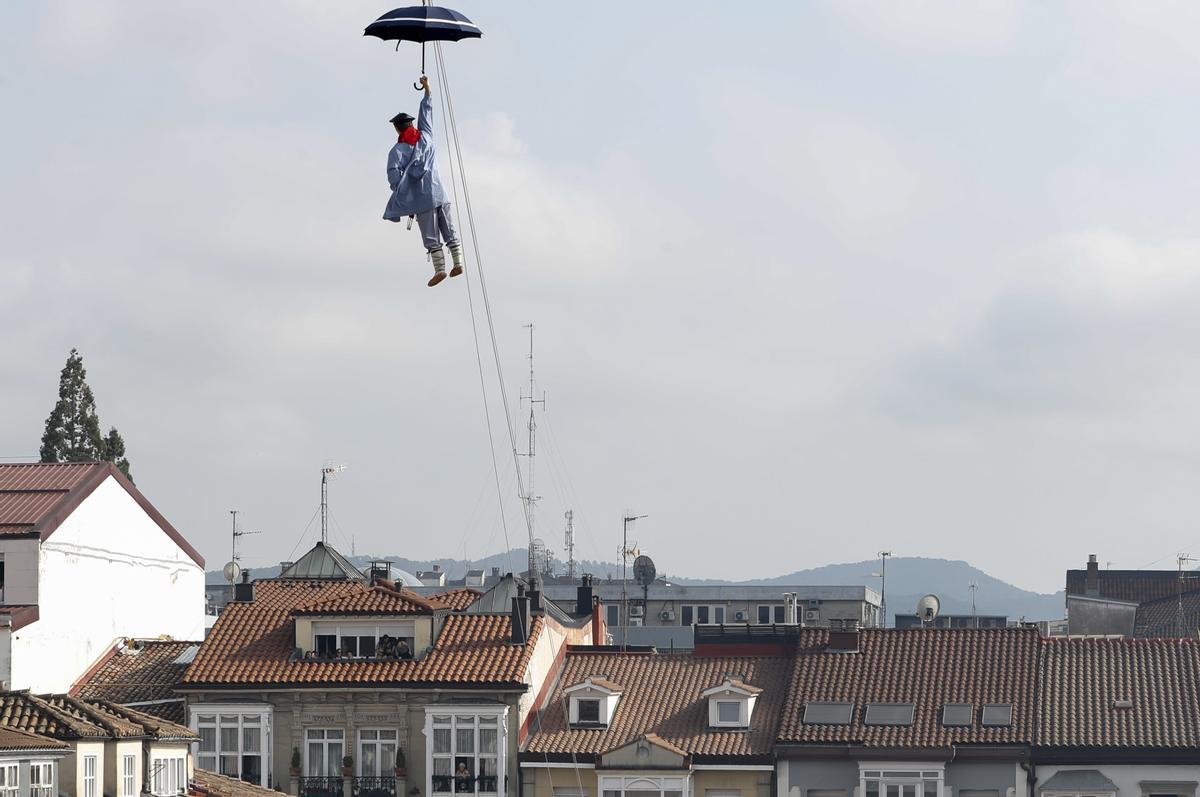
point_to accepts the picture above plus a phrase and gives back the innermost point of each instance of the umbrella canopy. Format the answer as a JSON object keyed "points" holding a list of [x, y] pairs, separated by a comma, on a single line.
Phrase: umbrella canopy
{"points": [[423, 24]]}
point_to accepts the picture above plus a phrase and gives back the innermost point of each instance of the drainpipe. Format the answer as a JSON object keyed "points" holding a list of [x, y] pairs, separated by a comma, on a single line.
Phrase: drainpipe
{"points": [[1030, 777]]}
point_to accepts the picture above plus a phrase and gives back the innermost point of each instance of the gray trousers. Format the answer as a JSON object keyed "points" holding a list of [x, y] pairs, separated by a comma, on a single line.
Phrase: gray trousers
{"points": [[435, 221]]}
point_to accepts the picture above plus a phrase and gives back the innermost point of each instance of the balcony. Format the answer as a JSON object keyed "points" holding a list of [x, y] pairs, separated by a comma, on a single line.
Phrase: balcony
{"points": [[483, 784], [321, 787], [375, 787]]}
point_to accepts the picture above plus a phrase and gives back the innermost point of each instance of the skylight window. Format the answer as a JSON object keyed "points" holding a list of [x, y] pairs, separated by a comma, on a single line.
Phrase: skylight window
{"points": [[826, 713], [889, 714], [997, 715], [957, 714]]}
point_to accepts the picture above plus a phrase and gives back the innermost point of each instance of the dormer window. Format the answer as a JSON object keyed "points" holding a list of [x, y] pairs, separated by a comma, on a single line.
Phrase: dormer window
{"points": [[593, 702], [731, 703]]}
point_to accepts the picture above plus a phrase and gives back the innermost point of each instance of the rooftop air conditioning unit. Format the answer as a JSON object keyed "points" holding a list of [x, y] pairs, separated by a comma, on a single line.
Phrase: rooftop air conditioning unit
{"points": [[637, 611], [739, 616], [667, 615], [812, 614]]}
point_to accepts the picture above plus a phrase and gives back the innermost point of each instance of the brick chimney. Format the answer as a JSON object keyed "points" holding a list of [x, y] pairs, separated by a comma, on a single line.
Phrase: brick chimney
{"points": [[599, 631], [1092, 586], [843, 636]]}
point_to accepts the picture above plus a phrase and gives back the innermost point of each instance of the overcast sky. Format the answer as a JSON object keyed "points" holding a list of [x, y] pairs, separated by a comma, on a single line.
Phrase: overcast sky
{"points": [[808, 282]]}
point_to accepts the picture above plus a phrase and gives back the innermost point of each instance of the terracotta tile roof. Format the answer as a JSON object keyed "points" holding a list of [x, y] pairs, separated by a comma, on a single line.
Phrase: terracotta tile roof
{"points": [[372, 600], [22, 711], [149, 724], [210, 784], [661, 696], [1126, 585], [1081, 680], [21, 740], [1160, 618], [35, 498], [253, 643], [925, 667], [457, 599], [140, 671]]}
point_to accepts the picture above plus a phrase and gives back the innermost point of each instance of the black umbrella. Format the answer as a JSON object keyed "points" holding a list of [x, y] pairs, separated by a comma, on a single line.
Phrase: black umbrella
{"points": [[423, 24]]}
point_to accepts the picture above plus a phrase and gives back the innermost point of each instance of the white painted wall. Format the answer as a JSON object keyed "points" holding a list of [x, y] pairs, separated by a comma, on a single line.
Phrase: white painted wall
{"points": [[1126, 776], [108, 571]]}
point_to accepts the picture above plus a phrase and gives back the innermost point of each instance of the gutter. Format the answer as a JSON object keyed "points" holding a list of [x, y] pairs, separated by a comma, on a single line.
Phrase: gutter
{"points": [[1030, 777]]}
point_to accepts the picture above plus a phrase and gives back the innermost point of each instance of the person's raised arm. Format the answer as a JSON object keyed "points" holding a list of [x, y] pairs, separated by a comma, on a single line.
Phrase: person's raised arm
{"points": [[424, 116]]}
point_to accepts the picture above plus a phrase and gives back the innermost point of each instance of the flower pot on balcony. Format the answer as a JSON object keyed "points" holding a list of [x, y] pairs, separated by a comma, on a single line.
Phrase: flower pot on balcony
{"points": [[347, 772], [294, 772], [401, 772]]}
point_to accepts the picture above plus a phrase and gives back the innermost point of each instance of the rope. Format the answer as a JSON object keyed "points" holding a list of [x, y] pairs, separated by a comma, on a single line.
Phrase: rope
{"points": [[452, 127], [448, 110]]}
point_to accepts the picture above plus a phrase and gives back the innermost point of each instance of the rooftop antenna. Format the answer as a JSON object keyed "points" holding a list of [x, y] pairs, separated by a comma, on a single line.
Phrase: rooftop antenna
{"points": [[329, 471], [626, 552], [974, 614], [531, 498], [233, 568], [1182, 559], [569, 535], [883, 557]]}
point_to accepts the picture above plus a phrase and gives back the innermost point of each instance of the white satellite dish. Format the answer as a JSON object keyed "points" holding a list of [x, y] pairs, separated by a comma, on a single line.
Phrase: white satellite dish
{"points": [[928, 607], [231, 571]]}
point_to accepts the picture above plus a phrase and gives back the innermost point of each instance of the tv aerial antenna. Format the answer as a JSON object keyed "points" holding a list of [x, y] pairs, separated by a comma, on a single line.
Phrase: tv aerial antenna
{"points": [[328, 472], [233, 568], [626, 552], [569, 543]]}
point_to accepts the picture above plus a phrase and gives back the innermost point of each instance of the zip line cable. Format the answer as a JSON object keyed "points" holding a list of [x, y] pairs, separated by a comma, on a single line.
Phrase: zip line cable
{"points": [[452, 128], [456, 155]]}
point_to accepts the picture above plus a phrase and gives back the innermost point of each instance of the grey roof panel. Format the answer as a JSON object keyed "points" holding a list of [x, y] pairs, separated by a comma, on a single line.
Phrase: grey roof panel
{"points": [[322, 561], [1087, 780]]}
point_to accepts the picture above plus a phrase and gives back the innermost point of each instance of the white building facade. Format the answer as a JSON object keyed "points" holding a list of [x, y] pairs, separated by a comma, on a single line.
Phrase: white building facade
{"points": [[85, 559]]}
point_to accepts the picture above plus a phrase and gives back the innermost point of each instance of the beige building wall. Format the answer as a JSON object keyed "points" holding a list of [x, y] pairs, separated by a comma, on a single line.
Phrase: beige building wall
{"points": [[542, 781], [114, 753]]}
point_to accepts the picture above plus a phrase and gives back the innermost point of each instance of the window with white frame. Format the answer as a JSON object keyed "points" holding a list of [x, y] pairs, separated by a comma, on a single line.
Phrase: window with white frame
{"points": [[89, 776], [41, 779], [612, 615], [9, 780], [701, 614], [376, 752], [168, 775], [466, 749], [902, 782], [637, 786], [731, 703], [233, 741], [324, 749], [128, 775]]}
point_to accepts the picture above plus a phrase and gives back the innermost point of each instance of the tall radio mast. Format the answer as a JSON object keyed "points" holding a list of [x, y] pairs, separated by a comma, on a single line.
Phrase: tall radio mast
{"points": [[531, 498]]}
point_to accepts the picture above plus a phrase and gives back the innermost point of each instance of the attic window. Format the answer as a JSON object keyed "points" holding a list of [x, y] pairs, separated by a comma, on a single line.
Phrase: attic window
{"points": [[889, 714], [827, 713], [589, 710], [997, 715], [731, 703], [593, 701], [957, 714]]}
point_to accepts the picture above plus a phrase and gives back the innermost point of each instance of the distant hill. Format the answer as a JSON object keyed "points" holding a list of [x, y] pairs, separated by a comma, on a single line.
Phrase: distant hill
{"points": [[908, 578]]}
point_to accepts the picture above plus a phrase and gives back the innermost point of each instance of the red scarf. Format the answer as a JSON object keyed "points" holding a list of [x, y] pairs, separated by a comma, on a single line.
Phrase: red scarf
{"points": [[410, 136]]}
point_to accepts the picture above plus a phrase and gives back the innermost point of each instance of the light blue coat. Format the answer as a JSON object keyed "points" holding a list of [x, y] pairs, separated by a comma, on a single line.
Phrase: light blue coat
{"points": [[412, 172]]}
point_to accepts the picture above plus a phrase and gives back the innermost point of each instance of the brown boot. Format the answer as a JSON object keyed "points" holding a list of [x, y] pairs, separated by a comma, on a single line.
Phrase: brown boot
{"points": [[456, 253], [439, 267]]}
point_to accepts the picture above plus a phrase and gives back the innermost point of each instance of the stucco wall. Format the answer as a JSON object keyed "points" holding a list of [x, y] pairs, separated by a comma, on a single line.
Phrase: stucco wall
{"points": [[114, 754], [108, 571], [70, 774], [804, 776]]}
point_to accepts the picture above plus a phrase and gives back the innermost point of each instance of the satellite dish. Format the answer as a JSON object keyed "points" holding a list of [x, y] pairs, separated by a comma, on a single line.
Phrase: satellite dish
{"points": [[643, 570], [231, 570], [928, 608]]}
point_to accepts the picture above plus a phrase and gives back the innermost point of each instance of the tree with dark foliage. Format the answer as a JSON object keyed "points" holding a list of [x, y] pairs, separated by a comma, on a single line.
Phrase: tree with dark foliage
{"points": [[73, 428]]}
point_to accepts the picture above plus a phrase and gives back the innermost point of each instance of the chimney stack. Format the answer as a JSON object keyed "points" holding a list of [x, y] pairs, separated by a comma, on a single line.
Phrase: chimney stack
{"points": [[243, 592], [599, 632], [535, 601], [520, 620], [1093, 577], [843, 636], [583, 596]]}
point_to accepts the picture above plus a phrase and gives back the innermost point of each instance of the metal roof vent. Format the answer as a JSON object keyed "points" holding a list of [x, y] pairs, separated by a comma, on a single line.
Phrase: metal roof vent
{"points": [[1123, 703]]}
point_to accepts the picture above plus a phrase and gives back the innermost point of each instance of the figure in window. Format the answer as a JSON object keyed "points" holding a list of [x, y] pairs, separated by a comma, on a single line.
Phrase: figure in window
{"points": [[462, 778]]}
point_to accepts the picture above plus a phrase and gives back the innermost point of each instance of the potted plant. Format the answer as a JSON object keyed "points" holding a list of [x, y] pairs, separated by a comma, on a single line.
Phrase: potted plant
{"points": [[401, 763], [294, 770], [347, 766]]}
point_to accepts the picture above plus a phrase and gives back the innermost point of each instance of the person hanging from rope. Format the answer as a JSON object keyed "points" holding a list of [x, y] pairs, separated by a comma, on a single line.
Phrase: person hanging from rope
{"points": [[417, 189]]}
